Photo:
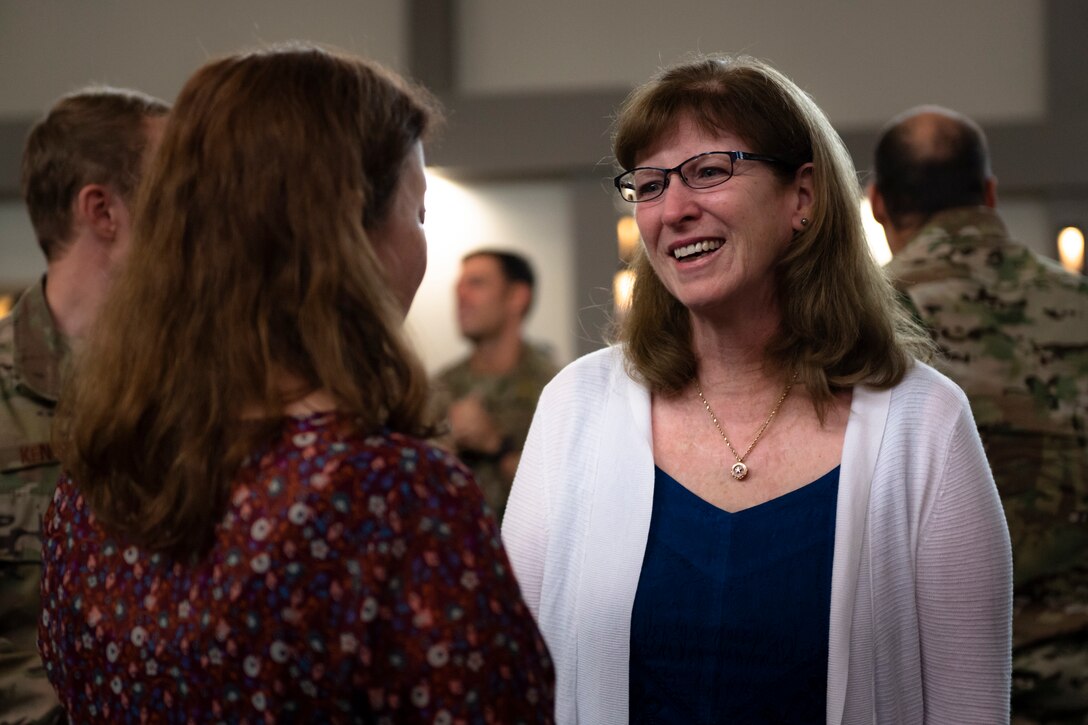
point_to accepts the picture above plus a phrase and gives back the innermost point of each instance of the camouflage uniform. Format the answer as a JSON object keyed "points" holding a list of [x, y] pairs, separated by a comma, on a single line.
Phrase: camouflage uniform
{"points": [[31, 355], [510, 400], [1013, 330]]}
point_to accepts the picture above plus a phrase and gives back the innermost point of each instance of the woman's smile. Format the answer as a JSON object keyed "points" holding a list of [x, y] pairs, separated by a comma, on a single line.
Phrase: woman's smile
{"points": [[689, 251]]}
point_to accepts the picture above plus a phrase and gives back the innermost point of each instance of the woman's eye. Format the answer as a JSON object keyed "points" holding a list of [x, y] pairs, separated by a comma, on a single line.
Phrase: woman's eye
{"points": [[648, 188], [712, 172]]}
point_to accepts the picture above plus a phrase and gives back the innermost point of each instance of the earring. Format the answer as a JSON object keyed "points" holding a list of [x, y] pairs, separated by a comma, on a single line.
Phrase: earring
{"points": [[804, 221]]}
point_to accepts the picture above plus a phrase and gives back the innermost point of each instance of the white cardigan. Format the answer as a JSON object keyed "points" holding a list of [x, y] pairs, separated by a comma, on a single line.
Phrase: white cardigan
{"points": [[921, 600]]}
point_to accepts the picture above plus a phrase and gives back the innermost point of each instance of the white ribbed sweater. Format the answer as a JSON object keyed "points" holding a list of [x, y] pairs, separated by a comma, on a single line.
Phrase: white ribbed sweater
{"points": [[921, 597]]}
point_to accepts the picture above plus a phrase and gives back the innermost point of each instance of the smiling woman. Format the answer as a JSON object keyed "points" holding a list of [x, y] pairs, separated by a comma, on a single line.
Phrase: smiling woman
{"points": [[763, 490]]}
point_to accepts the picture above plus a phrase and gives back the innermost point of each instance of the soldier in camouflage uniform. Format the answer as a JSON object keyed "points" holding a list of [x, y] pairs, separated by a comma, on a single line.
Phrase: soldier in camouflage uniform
{"points": [[80, 169], [491, 395], [31, 351], [1013, 330]]}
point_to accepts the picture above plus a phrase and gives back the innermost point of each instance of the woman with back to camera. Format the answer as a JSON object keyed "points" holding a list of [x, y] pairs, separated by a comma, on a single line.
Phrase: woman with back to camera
{"points": [[252, 526], [759, 508]]}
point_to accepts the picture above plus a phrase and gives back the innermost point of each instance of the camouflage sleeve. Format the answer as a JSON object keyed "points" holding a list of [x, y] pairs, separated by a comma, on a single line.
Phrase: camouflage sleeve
{"points": [[514, 412], [907, 303]]}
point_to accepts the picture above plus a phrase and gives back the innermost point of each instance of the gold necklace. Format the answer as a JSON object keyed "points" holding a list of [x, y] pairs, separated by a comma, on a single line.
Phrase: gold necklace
{"points": [[740, 469]]}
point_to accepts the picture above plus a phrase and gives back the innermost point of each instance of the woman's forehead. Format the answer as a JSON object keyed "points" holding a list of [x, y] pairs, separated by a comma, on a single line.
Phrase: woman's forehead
{"points": [[685, 134]]}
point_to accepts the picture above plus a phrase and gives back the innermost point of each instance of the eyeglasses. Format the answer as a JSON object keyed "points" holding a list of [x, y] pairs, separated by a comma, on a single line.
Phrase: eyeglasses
{"points": [[704, 171]]}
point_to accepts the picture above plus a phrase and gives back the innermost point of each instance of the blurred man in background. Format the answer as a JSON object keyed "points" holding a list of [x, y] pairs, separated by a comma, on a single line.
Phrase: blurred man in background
{"points": [[1012, 328], [492, 393], [81, 166]]}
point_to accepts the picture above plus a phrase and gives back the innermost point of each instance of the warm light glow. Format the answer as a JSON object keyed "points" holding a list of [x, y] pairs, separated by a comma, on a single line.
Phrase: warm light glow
{"points": [[6, 302], [451, 208], [874, 233], [622, 283], [456, 223], [1071, 249], [627, 236]]}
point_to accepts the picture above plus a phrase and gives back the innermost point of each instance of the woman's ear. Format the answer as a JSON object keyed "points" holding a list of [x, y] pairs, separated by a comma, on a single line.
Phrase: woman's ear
{"points": [[803, 185]]}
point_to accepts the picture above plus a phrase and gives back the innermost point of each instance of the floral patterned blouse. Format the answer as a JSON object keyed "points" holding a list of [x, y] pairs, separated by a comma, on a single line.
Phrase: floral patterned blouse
{"points": [[353, 579]]}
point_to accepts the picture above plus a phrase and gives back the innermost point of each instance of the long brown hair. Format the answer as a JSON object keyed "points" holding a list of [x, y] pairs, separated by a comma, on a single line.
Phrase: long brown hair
{"points": [[250, 261], [841, 323]]}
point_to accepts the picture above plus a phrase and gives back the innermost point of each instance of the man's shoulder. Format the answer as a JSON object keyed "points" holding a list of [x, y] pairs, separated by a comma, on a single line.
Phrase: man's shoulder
{"points": [[7, 361], [538, 360], [32, 350], [25, 418], [1050, 275], [974, 242], [965, 259], [949, 245], [7, 342], [457, 370]]}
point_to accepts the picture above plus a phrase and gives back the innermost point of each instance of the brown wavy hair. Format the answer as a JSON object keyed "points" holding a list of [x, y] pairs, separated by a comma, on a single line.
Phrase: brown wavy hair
{"points": [[841, 320], [250, 260]]}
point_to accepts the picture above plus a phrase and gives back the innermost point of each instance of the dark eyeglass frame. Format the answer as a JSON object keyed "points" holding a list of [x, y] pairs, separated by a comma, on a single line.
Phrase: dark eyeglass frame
{"points": [[666, 173]]}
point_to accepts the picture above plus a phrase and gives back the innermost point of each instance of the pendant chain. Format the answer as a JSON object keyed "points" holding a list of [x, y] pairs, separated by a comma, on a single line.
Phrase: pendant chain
{"points": [[740, 469]]}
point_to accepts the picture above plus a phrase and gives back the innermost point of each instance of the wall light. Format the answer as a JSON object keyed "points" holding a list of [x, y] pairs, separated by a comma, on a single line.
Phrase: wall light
{"points": [[874, 234], [627, 237], [622, 282], [1071, 249]]}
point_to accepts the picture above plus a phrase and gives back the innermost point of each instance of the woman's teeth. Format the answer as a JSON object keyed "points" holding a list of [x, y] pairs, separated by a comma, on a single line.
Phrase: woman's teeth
{"points": [[696, 248]]}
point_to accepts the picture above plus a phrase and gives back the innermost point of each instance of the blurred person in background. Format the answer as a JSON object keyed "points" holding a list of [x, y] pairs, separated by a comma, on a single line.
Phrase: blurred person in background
{"points": [[1012, 328], [759, 507], [81, 165], [252, 525], [490, 395]]}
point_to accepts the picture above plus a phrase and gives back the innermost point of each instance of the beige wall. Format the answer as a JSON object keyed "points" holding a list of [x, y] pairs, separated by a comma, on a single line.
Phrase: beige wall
{"points": [[51, 47], [862, 61]]}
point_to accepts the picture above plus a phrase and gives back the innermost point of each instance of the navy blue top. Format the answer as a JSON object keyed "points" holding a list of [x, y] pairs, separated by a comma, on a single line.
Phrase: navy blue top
{"points": [[731, 616]]}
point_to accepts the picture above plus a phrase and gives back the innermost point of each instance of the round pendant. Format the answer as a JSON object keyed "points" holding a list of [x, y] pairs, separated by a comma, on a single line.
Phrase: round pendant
{"points": [[739, 471]]}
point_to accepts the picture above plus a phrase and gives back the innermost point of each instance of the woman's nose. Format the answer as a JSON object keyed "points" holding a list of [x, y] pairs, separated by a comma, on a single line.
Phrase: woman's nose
{"points": [[678, 202]]}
